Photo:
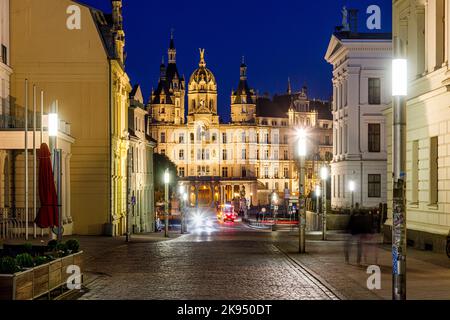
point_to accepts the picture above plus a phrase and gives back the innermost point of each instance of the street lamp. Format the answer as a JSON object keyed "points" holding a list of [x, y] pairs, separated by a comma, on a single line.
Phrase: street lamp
{"points": [[352, 188], [324, 176], [318, 194], [399, 244], [181, 193], [302, 152], [53, 127], [166, 184]]}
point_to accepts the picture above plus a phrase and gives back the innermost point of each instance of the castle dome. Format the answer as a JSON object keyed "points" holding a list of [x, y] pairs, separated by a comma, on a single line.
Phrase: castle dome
{"points": [[202, 75]]}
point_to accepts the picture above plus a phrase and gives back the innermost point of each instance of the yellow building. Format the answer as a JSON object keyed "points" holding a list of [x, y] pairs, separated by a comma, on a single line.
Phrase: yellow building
{"points": [[76, 55], [253, 155], [424, 28]]}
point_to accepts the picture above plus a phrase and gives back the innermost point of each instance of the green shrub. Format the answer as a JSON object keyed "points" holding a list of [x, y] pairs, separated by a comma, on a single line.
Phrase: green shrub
{"points": [[8, 265], [25, 260], [52, 244], [73, 245], [62, 249], [38, 261]]}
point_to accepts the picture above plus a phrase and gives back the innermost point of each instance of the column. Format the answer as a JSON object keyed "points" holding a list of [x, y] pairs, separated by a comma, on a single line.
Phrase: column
{"points": [[63, 187], [3, 155], [68, 189]]}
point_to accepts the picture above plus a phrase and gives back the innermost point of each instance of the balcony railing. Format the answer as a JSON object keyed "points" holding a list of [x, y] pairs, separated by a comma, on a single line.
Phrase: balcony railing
{"points": [[13, 223], [15, 119]]}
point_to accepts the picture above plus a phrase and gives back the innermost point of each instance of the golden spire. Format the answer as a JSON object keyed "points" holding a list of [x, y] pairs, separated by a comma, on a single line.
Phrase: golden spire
{"points": [[202, 58]]}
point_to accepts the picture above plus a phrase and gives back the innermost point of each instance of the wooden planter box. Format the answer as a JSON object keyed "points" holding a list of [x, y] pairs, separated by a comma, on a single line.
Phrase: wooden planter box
{"points": [[36, 282]]}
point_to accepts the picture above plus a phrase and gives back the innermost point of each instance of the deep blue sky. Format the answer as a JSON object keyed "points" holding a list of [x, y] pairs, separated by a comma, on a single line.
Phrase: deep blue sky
{"points": [[279, 39]]}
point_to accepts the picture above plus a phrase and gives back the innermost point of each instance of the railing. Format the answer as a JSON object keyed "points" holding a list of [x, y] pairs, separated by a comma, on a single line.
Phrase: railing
{"points": [[15, 119], [13, 224]]}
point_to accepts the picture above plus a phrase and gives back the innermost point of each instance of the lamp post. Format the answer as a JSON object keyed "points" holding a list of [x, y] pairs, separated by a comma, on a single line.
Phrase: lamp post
{"points": [[399, 93], [318, 194], [166, 216], [181, 193], [301, 201], [324, 177], [352, 187], [183, 227], [53, 122], [275, 207]]}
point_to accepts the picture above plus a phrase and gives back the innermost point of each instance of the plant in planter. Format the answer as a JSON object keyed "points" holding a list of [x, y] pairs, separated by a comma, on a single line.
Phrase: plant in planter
{"points": [[73, 245], [39, 261], [8, 265], [25, 261], [52, 244], [62, 250], [27, 248]]}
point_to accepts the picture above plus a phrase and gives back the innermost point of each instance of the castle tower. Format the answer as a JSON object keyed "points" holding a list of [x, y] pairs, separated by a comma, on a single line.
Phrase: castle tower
{"points": [[119, 33], [243, 100], [167, 103], [202, 94]]}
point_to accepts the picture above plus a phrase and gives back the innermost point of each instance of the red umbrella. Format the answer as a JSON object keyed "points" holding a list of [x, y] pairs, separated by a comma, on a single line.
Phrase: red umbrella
{"points": [[48, 213]]}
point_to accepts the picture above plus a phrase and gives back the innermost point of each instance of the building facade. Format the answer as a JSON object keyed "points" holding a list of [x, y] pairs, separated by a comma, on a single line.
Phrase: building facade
{"points": [[424, 28], [84, 70], [361, 91], [252, 156], [141, 202]]}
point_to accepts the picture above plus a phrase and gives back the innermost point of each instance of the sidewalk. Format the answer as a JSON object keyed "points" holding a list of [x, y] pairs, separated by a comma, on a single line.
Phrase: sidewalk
{"points": [[428, 274]]}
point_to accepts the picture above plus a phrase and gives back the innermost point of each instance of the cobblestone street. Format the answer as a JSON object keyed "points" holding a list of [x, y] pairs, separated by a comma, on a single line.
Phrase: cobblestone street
{"points": [[230, 262]]}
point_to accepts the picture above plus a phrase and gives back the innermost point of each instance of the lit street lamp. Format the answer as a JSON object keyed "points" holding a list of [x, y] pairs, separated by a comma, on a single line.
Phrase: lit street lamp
{"points": [[166, 184], [302, 151], [318, 194], [324, 177], [275, 207], [399, 244], [352, 188]]}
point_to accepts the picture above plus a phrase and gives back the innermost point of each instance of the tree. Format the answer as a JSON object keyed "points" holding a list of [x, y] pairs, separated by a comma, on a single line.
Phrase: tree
{"points": [[160, 164]]}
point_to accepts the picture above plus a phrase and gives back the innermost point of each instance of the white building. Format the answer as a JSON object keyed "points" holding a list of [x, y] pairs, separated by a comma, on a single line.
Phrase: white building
{"points": [[361, 91], [140, 167], [424, 26]]}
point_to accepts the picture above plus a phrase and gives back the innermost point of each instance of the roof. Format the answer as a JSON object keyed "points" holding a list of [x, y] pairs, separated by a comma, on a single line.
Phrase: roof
{"points": [[278, 107], [347, 35], [243, 90]]}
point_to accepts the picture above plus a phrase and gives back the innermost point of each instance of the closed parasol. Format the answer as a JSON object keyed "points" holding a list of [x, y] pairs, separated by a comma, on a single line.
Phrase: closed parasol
{"points": [[48, 213]]}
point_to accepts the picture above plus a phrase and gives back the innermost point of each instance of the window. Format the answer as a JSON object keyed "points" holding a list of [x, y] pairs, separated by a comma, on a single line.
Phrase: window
{"points": [[257, 154], [374, 182], [286, 186], [224, 138], [434, 178], [4, 54], [181, 138], [181, 172], [327, 140], [163, 110], [244, 173], [286, 155], [266, 172], [192, 137], [214, 137], [266, 155], [192, 155], [277, 186], [276, 155], [274, 123], [224, 155], [244, 154], [374, 137], [276, 138], [181, 154], [163, 137], [243, 137], [374, 91], [276, 173], [325, 125], [415, 172], [285, 139], [286, 173], [225, 172], [266, 138]]}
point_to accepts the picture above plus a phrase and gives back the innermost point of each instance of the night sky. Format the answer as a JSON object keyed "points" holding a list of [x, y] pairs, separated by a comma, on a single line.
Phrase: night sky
{"points": [[279, 39]]}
